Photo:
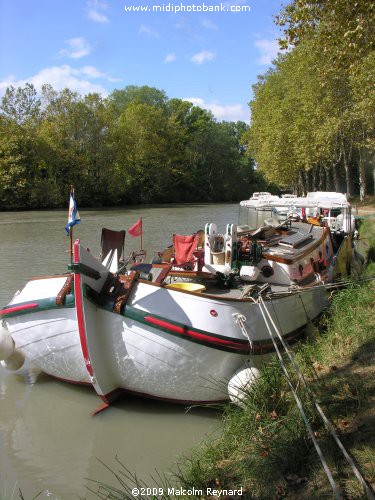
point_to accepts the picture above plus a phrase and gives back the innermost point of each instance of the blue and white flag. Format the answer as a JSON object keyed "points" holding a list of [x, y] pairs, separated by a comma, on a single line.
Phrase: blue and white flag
{"points": [[73, 217]]}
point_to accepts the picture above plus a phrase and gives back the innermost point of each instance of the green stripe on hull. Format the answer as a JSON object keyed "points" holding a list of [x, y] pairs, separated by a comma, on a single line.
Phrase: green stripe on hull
{"points": [[47, 304], [139, 316]]}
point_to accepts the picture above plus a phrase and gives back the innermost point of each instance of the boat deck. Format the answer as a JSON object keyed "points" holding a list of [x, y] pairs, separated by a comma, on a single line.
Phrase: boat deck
{"points": [[244, 290], [291, 244]]}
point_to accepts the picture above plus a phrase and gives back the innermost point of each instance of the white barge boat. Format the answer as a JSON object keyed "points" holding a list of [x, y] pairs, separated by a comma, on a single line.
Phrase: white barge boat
{"points": [[146, 332]]}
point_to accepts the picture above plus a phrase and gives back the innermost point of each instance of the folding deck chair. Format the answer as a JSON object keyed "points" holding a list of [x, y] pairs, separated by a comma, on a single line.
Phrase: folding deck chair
{"points": [[112, 244], [186, 255]]}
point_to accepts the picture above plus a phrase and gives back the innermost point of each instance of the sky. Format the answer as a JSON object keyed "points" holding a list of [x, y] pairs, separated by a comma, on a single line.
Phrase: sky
{"points": [[209, 58]]}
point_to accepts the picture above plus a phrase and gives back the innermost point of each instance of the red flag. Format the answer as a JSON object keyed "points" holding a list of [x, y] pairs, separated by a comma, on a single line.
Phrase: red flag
{"points": [[136, 229]]}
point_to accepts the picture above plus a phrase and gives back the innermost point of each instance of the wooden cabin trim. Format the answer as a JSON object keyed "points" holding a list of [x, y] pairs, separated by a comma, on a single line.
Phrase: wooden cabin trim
{"points": [[294, 258]]}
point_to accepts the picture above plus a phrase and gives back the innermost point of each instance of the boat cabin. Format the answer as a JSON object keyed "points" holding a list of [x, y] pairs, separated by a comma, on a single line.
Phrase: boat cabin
{"points": [[279, 254]]}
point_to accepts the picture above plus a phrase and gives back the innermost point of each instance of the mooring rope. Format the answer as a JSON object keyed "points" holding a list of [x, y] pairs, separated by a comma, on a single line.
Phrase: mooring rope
{"points": [[334, 486], [240, 320], [328, 286], [348, 458]]}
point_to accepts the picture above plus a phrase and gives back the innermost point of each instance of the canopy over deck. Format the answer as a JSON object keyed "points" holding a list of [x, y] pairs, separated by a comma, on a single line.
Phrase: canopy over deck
{"points": [[318, 199]]}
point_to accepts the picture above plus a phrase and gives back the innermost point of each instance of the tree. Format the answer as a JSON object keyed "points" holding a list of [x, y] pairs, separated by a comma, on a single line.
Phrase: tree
{"points": [[310, 117], [19, 146], [119, 99], [20, 105], [344, 30], [135, 146], [142, 139]]}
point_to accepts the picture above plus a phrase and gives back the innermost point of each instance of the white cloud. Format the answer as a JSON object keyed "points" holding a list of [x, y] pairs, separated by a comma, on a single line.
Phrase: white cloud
{"points": [[207, 23], [228, 112], [92, 72], [268, 50], [203, 56], [60, 77], [76, 48], [94, 10], [170, 58], [145, 30]]}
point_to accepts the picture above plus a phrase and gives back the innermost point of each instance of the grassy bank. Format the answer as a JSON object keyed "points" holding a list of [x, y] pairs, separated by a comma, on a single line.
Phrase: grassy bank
{"points": [[265, 448]]}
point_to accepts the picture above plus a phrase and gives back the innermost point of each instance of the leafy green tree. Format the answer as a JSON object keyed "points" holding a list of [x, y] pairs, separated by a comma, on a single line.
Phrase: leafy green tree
{"points": [[135, 146], [119, 99], [19, 166], [19, 146], [76, 150], [343, 29], [341, 36], [20, 105], [142, 138]]}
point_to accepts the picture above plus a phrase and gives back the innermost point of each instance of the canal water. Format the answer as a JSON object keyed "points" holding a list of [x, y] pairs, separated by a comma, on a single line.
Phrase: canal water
{"points": [[49, 442]]}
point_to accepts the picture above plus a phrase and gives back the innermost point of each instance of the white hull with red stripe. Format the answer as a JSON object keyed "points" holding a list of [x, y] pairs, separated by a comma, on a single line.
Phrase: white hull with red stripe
{"points": [[165, 343], [48, 337], [175, 366]]}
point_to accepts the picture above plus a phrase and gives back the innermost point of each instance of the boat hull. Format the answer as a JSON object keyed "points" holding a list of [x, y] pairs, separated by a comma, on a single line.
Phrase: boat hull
{"points": [[47, 334], [167, 360], [164, 343]]}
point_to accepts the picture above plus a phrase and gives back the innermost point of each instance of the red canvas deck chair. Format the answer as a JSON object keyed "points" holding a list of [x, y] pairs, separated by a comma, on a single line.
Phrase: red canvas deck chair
{"points": [[186, 255], [113, 240]]}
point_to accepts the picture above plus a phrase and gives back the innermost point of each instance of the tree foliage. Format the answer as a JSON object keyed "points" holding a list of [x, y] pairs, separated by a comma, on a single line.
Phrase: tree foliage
{"points": [[313, 112], [343, 29], [135, 146]]}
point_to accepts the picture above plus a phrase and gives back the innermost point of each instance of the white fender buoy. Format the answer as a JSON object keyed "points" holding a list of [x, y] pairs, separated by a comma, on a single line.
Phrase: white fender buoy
{"points": [[241, 382], [6, 344], [10, 357]]}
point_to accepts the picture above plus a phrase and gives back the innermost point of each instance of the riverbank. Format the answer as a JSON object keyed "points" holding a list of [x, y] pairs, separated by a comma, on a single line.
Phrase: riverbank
{"points": [[265, 448]]}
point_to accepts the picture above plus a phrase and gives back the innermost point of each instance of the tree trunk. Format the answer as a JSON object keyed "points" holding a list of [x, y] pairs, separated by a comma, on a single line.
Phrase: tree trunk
{"points": [[306, 183], [335, 165], [314, 183], [347, 157], [362, 175], [301, 183], [321, 178], [335, 175], [309, 185], [328, 176]]}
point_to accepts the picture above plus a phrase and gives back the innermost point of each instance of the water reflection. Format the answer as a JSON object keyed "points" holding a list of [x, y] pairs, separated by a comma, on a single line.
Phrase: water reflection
{"points": [[49, 441]]}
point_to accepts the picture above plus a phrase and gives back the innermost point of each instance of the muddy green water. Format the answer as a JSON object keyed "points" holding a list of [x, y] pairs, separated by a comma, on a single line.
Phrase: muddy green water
{"points": [[48, 439]]}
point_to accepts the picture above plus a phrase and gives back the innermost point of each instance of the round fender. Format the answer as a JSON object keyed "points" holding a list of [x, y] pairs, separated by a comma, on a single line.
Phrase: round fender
{"points": [[10, 357], [6, 343], [15, 361], [241, 382]]}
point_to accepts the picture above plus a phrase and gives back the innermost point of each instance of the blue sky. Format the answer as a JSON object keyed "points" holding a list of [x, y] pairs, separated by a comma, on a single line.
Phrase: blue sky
{"points": [[209, 58]]}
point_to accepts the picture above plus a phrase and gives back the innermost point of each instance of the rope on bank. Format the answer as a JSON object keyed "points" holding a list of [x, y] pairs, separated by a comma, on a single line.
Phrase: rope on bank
{"points": [[329, 426], [334, 486], [328, 286]]}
